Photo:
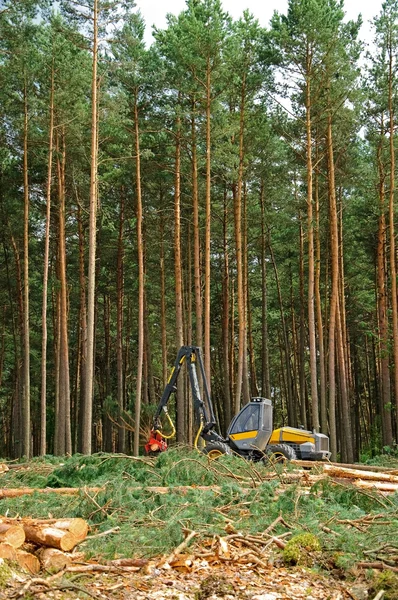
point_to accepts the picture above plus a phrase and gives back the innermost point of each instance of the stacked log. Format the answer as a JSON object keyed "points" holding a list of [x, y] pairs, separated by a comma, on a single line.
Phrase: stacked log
{"points": [[37, 544]]}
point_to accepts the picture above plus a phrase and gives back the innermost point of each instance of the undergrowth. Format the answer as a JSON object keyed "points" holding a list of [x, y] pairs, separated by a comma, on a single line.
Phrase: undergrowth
{"points": [[350, 524]]}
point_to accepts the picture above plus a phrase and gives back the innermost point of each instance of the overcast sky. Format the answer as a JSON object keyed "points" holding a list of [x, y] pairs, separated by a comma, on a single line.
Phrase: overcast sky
{"points": [[154, 11]]}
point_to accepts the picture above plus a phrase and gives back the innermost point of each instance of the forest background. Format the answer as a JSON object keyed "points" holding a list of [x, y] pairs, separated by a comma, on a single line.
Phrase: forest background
{"points": [[231, 187]]}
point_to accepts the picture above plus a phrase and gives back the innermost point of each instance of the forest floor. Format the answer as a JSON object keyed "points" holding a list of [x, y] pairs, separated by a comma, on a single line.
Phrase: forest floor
{"points": [[191, 529]]}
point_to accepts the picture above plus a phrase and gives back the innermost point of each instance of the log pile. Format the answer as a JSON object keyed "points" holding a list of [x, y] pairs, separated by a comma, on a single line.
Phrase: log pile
{"points": [[37, 544]]}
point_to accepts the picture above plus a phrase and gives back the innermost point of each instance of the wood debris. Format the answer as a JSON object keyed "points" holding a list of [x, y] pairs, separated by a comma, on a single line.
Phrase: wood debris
{"points": [[40, 544]]}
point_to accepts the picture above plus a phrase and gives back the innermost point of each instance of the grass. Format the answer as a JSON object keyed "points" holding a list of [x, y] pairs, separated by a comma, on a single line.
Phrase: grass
{"points": [[349, 524]]}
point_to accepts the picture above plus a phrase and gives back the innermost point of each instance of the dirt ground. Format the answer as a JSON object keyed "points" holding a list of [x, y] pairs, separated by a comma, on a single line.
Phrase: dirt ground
{"points": [[240, 582]]}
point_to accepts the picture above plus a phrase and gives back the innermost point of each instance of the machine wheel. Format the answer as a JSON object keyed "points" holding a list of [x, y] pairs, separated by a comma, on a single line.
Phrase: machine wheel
{"points": [[216, 449], [279, 453]]}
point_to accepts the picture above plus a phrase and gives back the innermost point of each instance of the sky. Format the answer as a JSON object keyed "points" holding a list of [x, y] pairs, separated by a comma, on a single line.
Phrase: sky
{"points": [[154, 11]]}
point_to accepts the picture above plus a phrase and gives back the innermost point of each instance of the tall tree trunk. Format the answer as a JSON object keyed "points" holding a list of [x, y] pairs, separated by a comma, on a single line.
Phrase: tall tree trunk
{"points": [[87, 409], [196, 232], [83, 329], [382, 303], [141, 283], [26, 353], [334, 240], [226, 316], [291, 413], [265, 378], [163, 303], [181, 434], [310, 233], [207, 356], [318, 305], [393, 264], [64, 429], [239, 259], [43, 401], [301, 354], [119, 324]]}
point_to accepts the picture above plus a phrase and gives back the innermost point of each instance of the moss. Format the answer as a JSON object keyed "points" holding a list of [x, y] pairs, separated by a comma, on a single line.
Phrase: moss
{"points": [[5, 574], [299, 550], [387, 581], [214, 585]]}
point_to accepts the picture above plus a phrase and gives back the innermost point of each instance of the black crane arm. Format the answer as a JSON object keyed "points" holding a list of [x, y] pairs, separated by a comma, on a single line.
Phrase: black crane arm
{"points": [[203, 409]]}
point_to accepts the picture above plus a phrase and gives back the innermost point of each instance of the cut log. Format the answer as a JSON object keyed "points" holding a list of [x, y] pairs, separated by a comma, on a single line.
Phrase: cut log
{"points": [[334, 471], [322, 463], [12, 534], [46, 535], [28, 562], [7, 551], [53, 560], [16, 492], [77, 526], [382, 486], [3, 468]]}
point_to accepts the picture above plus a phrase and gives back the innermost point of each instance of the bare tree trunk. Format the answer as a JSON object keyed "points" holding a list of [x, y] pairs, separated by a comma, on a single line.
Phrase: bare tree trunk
{"points": [[83, 329], [318, 306], [265, 379], [43, 401], [291, 413], [311, 269], [181, 434], [226, 317], [119, 324], [64, 430], [196, 232], [207, 350], [239, 260], [334, 241], [163, 304], [87, 409], [382, 303], [141, 284], [26, 353], [393, 264], [301, 354]]}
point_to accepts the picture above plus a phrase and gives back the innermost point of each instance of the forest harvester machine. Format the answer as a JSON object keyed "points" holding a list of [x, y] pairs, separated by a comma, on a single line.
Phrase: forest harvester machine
{"points": [[250, 433]]}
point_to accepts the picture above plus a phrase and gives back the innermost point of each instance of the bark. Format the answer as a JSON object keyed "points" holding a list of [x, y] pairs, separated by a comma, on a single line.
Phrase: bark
{"points": [[26, 434], [310, 233], [207, 357], [239, 259], [382, 303], [291, 413], [64, 428], [119, 323], [318, 307], [87, 409], [163, 305], [53, 560], [181, 433], [265, 378], [393, 264], [334, 289], [301, 354], [141, 283], [196, 232], [226, 318], [43, 401], [83, 330]]}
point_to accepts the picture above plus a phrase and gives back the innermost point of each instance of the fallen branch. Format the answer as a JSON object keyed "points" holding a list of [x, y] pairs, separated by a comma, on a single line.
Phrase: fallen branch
{"points": [[179, 548], [16, 492], [380, 566]]}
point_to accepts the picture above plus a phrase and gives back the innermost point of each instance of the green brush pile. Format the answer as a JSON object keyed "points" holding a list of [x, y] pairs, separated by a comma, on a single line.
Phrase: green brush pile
{"points": [[153, 523]]}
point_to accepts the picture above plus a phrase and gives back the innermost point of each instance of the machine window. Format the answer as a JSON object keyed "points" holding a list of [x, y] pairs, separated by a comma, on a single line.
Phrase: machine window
{"points": [[248, 420]]}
